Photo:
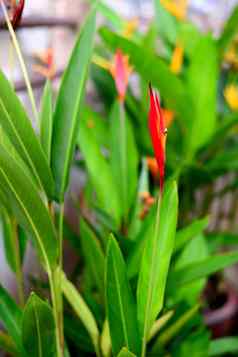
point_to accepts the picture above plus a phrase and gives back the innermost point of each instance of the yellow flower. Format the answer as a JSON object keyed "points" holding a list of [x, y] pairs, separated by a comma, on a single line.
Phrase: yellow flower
{"points": [[231, 56], [130, 27], [231, 96], [177, 8], [177, 60]]}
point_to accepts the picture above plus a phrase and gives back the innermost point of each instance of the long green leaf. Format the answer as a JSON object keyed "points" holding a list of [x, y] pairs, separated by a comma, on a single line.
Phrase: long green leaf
{"points": [[229, 32], [14, 239], [191, 292], [201, 269], [202, 86], [69, 101], [166, 23], [9, 241], [46, 120], [17, 126], [156, 261], [175, 328], [93, 253], [99, 171], [38, 328], [121, 308], [154, 70], [98, 124], [124, 157], [110, 15], [82, 310], [136, 254], [222, 346], [184, 235], [159, 324], [11, 316], [28, 207]]}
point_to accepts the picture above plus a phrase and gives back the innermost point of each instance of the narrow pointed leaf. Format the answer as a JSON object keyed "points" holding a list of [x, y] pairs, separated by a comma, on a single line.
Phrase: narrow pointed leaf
{"points": [[166, 23], [17, 126], [92, 251], [11, 316], [174, 329], [110, 15], [9, 241], [98, 123], [82, 310], [121, 308], [136, 254], [185, 234], [191, 292], [202, 86], [96, 163], [223, 346], [69, 101], [38, 328], [229, 32], [125, 353], [106, 345], [28, 207], [46, 120], [124, 157], [156, 261], [202, 269], [159, 324]]}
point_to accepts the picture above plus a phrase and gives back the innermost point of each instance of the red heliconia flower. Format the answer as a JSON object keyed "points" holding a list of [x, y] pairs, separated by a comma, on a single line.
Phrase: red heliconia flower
{"points": [[15, 11], [158, 133], [46, 67], [121, 70]]}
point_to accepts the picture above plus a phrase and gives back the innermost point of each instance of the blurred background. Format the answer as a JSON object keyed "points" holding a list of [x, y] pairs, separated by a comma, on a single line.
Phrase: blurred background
{"points": [[52, 24]]}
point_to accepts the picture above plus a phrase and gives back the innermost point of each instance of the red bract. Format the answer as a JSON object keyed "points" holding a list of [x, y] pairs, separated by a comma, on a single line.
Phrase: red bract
{"points": [[16, 9], [121, 70], [158, 133]]}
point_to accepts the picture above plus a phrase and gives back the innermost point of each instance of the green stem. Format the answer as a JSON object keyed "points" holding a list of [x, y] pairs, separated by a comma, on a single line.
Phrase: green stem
{"points": [[156, 233], [59, 280], [61, 235], [19, 274], [54, 278], [123, 149], [21, 60]]}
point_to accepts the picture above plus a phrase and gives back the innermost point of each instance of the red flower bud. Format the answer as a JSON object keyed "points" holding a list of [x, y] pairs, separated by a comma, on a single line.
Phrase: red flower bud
{"points": [[15, 9], [121, 70], [158, 133]]}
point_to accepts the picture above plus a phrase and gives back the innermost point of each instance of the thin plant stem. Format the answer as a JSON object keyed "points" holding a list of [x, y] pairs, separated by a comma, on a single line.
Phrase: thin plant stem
{"points": [[21, 60], [19, 274], [156, 232], [60, 302], [61, 234], [123, 162], [56, 284], [53, 280]]}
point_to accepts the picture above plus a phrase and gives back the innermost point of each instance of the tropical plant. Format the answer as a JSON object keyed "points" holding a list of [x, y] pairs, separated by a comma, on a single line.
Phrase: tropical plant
{"points": [[137, 288]]}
